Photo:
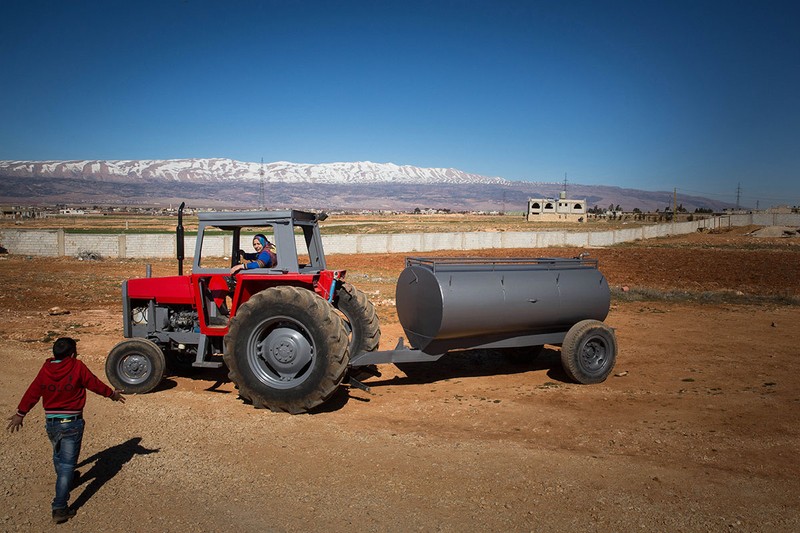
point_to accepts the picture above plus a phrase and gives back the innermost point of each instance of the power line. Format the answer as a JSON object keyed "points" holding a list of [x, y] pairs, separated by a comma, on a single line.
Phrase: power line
{"points": [[732, 196]]}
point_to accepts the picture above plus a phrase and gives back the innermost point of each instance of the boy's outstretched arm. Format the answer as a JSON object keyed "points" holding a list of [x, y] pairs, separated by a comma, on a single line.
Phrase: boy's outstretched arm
{"points": [[14, 422]]}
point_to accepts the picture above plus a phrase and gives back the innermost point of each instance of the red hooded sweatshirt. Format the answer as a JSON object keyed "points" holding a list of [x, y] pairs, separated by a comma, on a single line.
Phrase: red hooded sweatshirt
{"points": [[62, 386]]}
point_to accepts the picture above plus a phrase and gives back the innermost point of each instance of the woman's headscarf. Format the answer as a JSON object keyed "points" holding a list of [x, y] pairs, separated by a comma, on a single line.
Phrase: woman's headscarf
{"points": [[262, 239]]}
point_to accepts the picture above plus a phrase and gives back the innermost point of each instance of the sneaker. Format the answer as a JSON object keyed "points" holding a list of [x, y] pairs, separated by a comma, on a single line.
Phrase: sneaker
{"points": [[62, 515]]}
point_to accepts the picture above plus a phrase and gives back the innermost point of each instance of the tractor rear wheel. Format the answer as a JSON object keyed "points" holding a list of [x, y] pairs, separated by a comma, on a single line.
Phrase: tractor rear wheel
{"points": [[361, 323], [589, 352], [135, 366], [286, 350]]}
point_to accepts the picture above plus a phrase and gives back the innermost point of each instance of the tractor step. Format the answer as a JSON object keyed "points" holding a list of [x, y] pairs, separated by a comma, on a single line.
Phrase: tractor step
{"points": [[207, 364]]}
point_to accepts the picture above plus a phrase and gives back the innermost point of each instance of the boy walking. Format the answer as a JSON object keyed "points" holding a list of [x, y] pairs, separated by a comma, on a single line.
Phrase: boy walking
{"points": [[62, 383]]}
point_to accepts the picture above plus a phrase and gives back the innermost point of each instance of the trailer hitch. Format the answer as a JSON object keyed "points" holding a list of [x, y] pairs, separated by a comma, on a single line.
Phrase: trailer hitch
{"points": [[353, 382]]}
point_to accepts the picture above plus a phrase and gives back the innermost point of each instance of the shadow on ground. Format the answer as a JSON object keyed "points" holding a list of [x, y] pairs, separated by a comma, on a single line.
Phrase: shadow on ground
{"points": [[467, 363], [477, 363], [105, 465]]}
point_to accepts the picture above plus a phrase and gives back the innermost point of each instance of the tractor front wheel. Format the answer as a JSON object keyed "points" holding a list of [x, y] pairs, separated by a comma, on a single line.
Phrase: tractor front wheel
{"points": [[135, 366], [286, 350]]}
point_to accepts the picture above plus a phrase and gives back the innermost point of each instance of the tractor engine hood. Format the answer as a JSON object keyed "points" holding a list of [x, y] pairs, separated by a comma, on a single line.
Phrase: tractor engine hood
{"points": [[168, 290]]}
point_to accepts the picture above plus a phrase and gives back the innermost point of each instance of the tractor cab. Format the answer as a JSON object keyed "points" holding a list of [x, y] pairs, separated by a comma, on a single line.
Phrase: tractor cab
{"points": [[222, 238], [277, 326], [295, 234]]}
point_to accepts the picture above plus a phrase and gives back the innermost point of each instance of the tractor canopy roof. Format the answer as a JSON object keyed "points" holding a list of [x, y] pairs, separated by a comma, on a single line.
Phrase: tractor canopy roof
{"points": [[232, 219]]}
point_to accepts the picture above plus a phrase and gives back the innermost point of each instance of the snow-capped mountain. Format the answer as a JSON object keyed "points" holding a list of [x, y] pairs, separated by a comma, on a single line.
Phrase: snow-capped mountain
{"points": [[192, 170], [225, 183]]}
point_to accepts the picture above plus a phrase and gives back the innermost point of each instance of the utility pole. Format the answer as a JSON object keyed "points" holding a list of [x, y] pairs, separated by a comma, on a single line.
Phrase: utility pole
{"points": [[261, 186], [674, 201], [738, 193]]}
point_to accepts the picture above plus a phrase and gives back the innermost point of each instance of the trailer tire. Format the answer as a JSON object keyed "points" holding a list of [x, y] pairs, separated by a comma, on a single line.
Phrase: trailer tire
{"points": [[361, 323], [135, 366], [286, 350], [589, 352]]}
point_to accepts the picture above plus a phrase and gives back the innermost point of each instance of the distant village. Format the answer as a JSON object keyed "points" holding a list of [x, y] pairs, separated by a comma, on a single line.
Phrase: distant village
{"points": [[561, 209]]}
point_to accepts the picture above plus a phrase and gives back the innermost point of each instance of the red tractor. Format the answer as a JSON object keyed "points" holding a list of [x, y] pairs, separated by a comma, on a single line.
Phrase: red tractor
{"points": [[285, 332]]}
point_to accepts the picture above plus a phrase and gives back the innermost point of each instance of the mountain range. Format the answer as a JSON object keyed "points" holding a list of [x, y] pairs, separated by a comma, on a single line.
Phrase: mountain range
{"points": [[225, 183]]}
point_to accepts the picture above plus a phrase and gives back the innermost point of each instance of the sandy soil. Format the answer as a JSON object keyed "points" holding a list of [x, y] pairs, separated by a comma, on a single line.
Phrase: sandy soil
{"points": [[697, 430]]}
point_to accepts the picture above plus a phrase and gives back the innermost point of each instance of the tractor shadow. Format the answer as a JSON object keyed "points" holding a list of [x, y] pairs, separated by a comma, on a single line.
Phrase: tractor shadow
{"points": [[457, 364], [477, 363], [215, 376], [461, 364]]}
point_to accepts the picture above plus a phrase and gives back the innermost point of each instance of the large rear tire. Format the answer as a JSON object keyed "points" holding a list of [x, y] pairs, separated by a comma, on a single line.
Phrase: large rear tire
{"points": [[589, 352], [362, 325], [135, 366], [286, 350]]}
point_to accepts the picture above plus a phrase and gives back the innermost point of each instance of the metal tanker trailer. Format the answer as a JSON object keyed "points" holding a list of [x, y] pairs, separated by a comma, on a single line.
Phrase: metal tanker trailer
{"points": [[447, 304]]}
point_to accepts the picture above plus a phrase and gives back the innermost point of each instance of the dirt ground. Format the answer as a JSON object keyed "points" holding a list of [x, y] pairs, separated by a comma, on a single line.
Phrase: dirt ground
{"points": [[696, 429]]}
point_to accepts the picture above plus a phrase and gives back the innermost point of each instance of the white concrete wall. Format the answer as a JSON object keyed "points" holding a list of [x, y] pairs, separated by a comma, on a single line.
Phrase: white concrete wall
{"points": [[105, 245], [142, 245], [35, 242], [61, 243]]}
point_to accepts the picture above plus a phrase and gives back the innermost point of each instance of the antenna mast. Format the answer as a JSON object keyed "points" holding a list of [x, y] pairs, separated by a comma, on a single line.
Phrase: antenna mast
{"points": [[738, 192]]}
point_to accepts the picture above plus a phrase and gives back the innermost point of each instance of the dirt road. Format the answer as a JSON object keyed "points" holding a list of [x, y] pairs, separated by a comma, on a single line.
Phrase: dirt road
{"points": [[697, 430]]}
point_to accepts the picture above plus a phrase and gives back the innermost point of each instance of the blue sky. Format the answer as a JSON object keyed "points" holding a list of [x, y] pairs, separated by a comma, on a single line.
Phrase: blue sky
{"points": [[699, 96]]}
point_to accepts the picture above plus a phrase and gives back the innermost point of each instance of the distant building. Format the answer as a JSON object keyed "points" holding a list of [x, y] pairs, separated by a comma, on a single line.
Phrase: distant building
{"points": [[562, 209], [779, 210], [17, 212]]}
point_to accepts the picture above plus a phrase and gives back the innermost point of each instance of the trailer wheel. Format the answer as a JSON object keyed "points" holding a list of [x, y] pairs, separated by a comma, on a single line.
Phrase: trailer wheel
{"points": [[589, 352], [361, 323], [286, 350], [135, 366]]}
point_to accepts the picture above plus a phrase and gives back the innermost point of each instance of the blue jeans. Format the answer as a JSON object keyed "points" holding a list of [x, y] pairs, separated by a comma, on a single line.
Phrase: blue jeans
{"points": [[66, 440]]}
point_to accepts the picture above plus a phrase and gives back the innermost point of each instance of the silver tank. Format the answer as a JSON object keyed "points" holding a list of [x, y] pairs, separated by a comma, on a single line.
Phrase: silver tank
{"points": [[460, 303]]}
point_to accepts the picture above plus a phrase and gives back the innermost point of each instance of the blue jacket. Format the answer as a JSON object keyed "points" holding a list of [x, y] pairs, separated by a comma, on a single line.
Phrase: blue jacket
{"points": [[262, 259]]}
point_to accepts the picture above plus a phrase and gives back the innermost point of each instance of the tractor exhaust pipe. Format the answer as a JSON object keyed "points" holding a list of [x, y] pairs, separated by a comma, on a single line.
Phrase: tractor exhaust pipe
{"points": [[179, 237]]}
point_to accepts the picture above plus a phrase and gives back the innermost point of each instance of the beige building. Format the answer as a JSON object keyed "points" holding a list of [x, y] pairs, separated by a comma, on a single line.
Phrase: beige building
{"points": [[779, 210], [554, 210]]}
